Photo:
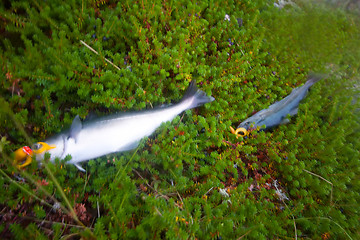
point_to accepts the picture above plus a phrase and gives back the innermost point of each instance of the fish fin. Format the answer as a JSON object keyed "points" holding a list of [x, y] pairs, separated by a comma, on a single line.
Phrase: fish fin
{"points": [[79, 167], [285, 121], [198, 97], [315, 77], [75, 128], [91, 116], [294, 111]]}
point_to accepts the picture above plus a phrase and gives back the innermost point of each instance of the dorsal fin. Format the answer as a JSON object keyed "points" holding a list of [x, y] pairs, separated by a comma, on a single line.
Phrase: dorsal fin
{"points": [[75, 128], [91, 116]]}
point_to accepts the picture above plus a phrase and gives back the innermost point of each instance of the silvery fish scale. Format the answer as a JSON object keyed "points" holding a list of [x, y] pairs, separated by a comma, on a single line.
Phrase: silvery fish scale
{"points": [[117, 133]]}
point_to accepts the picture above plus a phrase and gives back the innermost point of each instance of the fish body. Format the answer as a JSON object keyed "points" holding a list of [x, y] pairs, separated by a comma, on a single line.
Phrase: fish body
{"points": [[116, 133], [276, 113]]}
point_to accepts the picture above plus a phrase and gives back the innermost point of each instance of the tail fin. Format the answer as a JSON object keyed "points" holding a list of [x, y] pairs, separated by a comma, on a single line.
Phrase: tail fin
{"points": [[198, 97], [315, 77]]}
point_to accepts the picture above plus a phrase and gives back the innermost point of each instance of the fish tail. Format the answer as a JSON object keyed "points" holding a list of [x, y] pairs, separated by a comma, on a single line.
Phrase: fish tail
{"points": [[197, 96], [314, 77]]}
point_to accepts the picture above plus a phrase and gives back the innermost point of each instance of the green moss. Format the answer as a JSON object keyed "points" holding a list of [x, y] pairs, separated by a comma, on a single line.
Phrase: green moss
{"points": [[192, 178]]}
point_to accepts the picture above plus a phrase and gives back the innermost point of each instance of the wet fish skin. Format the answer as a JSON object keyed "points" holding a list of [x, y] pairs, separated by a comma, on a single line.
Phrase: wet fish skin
{"points": [[118, 132], [277, 113]]}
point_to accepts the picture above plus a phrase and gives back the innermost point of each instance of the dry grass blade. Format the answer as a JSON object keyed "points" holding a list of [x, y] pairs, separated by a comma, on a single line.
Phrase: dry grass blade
{"points": [[331, 194], [94, 51]]}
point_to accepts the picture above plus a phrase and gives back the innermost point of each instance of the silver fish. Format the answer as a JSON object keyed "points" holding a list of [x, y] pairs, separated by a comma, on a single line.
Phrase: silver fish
{"points": [[111, 134], [276, 113]]}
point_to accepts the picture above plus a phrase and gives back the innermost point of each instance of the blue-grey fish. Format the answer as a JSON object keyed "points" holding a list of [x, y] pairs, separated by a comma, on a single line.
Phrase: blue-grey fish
{"points": [[110, 134], [277, 113]]}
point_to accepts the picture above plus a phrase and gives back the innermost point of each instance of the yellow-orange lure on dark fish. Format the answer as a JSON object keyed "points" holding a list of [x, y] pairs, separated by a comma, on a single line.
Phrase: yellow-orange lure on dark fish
{"points": [[276, 113]]}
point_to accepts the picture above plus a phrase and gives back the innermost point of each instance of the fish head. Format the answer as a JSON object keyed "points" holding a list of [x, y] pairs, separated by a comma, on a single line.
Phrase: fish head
{"points": [[247, 124], [41, 148], [255, 120], [244, 127]]}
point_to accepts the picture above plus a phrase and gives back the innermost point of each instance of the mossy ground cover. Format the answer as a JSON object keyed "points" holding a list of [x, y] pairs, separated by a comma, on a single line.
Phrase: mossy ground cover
{"points": [[192, 179]]}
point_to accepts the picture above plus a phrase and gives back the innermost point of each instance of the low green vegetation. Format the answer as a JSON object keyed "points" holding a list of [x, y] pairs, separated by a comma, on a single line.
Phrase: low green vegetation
{"points": [[192, 179]]}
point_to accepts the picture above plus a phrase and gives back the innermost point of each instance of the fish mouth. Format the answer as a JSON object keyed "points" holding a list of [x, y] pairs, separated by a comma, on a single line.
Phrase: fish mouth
{"points": [[24, 155]]}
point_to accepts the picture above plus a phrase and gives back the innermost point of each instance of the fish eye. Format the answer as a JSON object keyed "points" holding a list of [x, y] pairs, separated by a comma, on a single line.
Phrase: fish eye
{"points": [[36, 146]]}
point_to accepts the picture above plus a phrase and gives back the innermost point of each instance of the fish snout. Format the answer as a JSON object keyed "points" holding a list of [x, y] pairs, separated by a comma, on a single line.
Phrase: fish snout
{"points": [[41, 147]]}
